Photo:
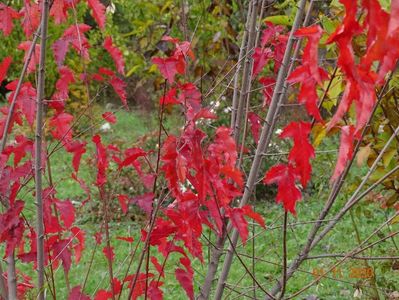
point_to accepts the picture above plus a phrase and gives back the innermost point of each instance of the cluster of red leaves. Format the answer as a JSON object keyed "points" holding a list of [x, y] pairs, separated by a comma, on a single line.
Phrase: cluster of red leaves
{"points": [[201, 174], [63, 240], [272, 45], [361, 82], [362, 79]]}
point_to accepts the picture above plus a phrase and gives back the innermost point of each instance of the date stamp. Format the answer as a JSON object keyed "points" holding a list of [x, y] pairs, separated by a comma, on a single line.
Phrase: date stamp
{"points": [[352, 272]]}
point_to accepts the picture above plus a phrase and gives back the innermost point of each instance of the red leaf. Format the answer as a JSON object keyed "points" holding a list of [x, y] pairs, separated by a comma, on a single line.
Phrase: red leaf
{"points": [[67, 212], [119, 87], [268, 88], [102, 163], [287, 193], [76, 293], [5, 64], [169, 98], [109, 117], [109, 253], [302, 151], [123, 201], [116, 55], [73, 35], [59, 10], [78, 247], [260, 57], [25, 46], [61, 251], [256, 125], [248, 211], [103, 295], [237, 219], [128, 239], [185, 279], [98, 12], [169, 67], [31, 17], [157, 266], [62, 85], [26, 100], [7, 14], [345, 150], [78, 149], [62, 127]]}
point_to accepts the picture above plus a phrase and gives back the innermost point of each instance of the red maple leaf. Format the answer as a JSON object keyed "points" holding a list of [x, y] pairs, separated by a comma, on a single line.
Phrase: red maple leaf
{"points": [[59, 10], [268, 88], [302, 151], [98, 10], [120, 88], [256, 125], [31, 17], [261, 56], [185, 279], [25, 46], [7, 14], [169, 67], [109, 253], [109, 117], [102, 162], [345, 150], [116, 54], [62, 127], [76, 293], [5, 64], [288, 193]]}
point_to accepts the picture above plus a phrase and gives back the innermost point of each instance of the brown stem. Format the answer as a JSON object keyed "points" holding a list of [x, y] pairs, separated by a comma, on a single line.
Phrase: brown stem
{"points": [[39, 150], [284, 255]]}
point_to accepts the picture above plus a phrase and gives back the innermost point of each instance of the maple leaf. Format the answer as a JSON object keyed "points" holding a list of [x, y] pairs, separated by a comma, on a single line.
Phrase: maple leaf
{"points": [[62, 251], [61, 95], [169, 98], [67, 212], [62, 126], [256, 125], [31, 17], [345, 150], [109, 117], [270, 33], [78, 234], [169, 67], [123, 201], [26, 100], [76, 293], [287, 193], [302, 151], [12, 227], [5, 64], [185, 279], [25, 46], [116, 54], [109, 253], [73, 35], [260, 57], [102, 163], [59, 10], [309, 74], [128, 239], [268, 88], [98, 12], [7, 14], [78, 149], [120, 88]]}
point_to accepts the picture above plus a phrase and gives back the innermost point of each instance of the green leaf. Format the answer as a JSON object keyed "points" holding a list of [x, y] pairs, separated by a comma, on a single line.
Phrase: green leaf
{"points": [[279, 20]]}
